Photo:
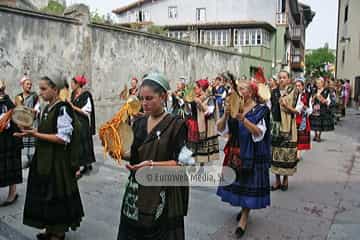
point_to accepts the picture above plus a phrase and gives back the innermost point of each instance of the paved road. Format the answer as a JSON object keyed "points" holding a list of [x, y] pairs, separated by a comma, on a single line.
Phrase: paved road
{"points": [[323, 201]]}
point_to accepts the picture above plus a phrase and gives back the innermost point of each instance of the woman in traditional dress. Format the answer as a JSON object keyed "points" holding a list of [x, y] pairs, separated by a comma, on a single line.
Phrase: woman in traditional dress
{"points": [[30, 100], [10, 150], [177, 101], [219, 95], [321, 118], [339, 100], [303, 120], [202, 136], [134, 90], [52, 199], [251, 130], [83, 104], [285, 104], [150, 212]]}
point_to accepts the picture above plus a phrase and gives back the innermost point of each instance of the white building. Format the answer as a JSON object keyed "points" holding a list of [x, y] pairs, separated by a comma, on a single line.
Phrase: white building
{"points": [[272, 30], [348, 44], [182, 12]]}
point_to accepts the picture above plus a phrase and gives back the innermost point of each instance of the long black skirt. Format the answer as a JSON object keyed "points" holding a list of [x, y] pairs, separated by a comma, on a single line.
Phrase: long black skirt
{"points": [[322, 123], [52, 202], [171, 229], [10, 159], [87, 155]]}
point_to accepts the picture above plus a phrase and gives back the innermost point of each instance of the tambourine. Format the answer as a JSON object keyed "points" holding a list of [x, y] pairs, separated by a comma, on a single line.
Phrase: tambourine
{"points": [[64, 95], [264, 92], [23, 116], [236, 102]]}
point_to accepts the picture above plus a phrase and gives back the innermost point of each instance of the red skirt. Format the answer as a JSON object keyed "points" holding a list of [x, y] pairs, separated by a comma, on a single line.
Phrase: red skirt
{"points": [[229, 152], [304, 140]]}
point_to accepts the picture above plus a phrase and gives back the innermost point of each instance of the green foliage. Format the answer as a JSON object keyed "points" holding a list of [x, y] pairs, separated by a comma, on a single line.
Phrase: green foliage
{"points": [[316, 61], [54, 8], [97, 17], [157, 30]]}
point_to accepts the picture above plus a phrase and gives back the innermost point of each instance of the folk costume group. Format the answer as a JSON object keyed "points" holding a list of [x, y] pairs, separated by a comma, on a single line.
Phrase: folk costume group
{"points": [[264, 136]]}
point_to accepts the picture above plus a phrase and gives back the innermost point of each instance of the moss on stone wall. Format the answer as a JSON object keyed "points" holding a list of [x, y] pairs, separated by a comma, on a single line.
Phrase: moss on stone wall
{"points": [[54, 8]]}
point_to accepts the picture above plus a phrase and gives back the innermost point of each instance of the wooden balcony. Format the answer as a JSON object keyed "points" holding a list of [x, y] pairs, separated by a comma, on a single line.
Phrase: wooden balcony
{"points": [[297, 34], [297, 62], [281, 19]]}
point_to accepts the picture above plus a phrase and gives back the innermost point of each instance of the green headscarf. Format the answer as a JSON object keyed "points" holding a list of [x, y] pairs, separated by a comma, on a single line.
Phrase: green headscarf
{"points": [[159, 79]]}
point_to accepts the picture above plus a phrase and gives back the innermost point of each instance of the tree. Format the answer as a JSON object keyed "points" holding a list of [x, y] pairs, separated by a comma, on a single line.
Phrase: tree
{"points": [[54, 7], [317, 60], [97, 17]]}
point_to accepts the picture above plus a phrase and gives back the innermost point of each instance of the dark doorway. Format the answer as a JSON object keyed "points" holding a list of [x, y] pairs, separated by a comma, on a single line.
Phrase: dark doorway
{"points": [[253, 70]]}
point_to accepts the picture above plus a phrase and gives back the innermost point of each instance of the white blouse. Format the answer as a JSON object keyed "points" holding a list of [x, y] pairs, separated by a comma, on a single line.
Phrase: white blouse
{"points": [[300, 106], [64, 126], [261, 125], [87, 108]]}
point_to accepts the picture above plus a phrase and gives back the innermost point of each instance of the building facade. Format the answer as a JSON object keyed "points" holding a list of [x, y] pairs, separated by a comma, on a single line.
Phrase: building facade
{"points": [[270, 30], [348, 44]]}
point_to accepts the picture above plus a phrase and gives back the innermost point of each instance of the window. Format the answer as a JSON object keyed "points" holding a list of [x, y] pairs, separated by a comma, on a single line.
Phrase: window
{"points": [[208, 37], [346, 13], [247, 38], [343, 56], [172, 12], [236, 37], [201, 14], [218, 39], [213, 37], [241, 41], [225, 38], [202, 37], [142, 16], [176, 34], [251, 37], [280, 6]]}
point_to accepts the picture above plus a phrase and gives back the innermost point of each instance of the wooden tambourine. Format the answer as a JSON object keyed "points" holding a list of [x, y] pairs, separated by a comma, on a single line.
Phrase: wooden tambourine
{"points": [[64, 95], [127, 137], [236, 102], [116, 135], [23, 116], [264, 92], [134, 105]]}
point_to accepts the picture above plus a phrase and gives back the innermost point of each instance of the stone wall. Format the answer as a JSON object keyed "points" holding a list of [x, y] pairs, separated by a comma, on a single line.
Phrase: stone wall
{"points": [[40, 44]]}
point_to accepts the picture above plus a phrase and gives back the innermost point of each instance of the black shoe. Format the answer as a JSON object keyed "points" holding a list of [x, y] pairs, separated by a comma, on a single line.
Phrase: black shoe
{"points": [[239, 232], [8, 203], [284, 188], [86, 170], [238, 217], [43, 236], [273, 188]]}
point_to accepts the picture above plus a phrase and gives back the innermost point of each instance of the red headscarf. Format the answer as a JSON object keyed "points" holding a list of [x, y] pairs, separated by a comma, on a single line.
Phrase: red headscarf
{"points": [[81, 80], [203, 84]]}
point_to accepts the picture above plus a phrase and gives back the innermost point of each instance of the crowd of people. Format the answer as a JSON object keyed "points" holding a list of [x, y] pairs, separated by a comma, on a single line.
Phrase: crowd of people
{"points": [[266, 135]]}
